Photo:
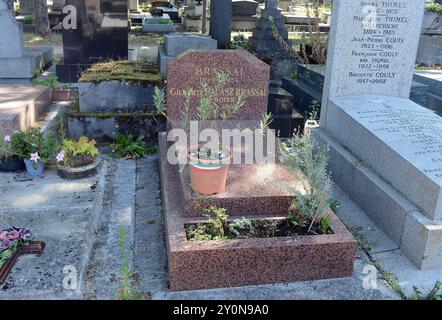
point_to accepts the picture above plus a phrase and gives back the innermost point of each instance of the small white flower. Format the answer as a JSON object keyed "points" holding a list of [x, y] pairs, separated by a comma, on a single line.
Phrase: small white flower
{"points": [[34, 157], [60, 156], [8, 138]]}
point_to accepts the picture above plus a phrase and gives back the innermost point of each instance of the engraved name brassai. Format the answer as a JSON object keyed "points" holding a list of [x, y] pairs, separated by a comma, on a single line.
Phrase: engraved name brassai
{"points": [[228, 93]]}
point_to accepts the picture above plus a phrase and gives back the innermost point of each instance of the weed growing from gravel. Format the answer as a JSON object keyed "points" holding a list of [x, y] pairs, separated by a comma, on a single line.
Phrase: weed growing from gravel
{"points": [[129, 147], [127, 291]]}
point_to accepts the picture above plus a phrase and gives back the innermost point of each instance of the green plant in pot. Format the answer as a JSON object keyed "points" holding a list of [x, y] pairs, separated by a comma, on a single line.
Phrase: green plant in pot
{"points": [[9, 161], [209, 163], [78, 159], [34, 148]]}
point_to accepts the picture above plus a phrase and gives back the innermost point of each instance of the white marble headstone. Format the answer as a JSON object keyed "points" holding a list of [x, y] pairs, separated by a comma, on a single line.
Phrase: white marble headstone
{"points": [[372, 48], [11, 36]]}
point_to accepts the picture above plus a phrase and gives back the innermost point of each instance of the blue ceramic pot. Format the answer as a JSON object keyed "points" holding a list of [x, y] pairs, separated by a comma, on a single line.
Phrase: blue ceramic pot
{"points": [[34, 169]]}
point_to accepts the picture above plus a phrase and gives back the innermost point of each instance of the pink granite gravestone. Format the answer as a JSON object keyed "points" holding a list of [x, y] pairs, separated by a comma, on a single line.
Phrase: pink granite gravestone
{"points": [[246, 74]]}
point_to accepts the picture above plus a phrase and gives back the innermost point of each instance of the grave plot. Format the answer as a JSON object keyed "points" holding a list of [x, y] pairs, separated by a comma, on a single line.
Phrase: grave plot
{"points": [[384, 148], [252, 261], [262, 194]]}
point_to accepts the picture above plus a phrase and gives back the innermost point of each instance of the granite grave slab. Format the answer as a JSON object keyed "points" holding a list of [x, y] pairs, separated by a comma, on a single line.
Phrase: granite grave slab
{"points": [[246, 74], [178, 43], [406, 137], [385, 149], [101, 35]]}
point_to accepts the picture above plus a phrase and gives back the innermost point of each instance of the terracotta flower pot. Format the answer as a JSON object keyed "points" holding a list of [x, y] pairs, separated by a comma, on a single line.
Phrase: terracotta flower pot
{"points": [[208, 176], [61, 94]]}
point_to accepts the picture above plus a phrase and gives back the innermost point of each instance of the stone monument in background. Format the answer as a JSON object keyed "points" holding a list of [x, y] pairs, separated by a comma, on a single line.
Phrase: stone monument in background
{"points": [[263, 41], [134, 6], [430, 44], [26, 7], [17, 62], [101, 35], [220, 20], [385, 150], [244, 14], [176, 44]]}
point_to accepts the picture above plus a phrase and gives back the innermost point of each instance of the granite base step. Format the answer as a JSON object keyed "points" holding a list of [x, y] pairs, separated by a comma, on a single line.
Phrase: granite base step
{"points": [[280, 101], [251, 189], [286, 124], [35, 58], [21, 105], [419, 238], [302, 93], [433, 78], [434, 102]]}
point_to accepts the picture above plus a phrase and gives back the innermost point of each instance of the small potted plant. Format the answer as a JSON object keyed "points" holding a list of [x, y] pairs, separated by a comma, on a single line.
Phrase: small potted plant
{"points": [[9, 161], [34, 148], [208, 165], [60, 92], [78, 159]]}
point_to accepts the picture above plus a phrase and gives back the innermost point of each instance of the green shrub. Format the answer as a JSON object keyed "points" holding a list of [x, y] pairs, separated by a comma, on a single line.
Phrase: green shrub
{"points": [[215, 227], [242, 224], [126, 146], [159, 100], [50, 81], [29, 19], [72, 149], [433, 7], [308, 162], [33, 141], [127, 291]]}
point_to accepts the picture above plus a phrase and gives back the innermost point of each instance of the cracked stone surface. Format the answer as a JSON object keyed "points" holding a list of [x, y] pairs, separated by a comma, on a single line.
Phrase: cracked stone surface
{"points": [[58, 212]]}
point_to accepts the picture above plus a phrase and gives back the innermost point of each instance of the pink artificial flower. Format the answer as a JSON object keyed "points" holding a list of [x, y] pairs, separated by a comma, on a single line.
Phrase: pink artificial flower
{"points": [[60, 156], [4, 235], [13, 234], [34, 157], [8, 138], [5, 244]]}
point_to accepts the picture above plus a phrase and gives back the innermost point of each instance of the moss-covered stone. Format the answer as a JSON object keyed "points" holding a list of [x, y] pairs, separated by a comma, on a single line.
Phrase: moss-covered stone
{"points": [[132, 71], [105, 127], [121, 115]]}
